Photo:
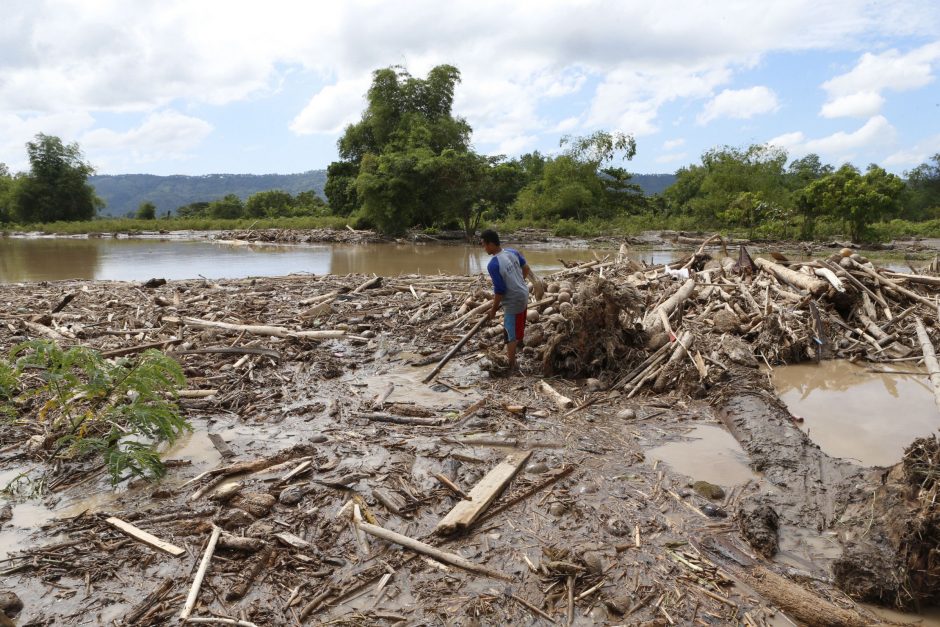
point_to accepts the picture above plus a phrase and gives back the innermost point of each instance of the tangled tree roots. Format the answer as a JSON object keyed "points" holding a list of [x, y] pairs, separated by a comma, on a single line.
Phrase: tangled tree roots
{"points": [[593, 333], [906, 516]]}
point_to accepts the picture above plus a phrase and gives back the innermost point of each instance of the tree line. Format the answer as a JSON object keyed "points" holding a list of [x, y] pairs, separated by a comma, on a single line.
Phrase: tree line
{"points": [[409, 163]]}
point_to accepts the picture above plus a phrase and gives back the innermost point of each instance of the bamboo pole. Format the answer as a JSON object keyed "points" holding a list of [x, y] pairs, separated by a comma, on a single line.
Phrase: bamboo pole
{"points": [[930, 359], [457, 347]]}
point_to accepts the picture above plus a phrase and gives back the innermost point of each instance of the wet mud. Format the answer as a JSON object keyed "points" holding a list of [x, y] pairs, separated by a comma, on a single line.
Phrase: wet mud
{"points": [[330, 437]]}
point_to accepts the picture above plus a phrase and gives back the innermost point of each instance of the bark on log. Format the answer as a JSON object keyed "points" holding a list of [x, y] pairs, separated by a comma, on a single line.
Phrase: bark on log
{"points": [[652, 323], [930, 358], [256, 329], [811, 284]]}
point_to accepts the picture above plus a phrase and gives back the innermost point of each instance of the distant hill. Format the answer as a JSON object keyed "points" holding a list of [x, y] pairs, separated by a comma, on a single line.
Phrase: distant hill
{"points": [[654, 183], [125, 192]]}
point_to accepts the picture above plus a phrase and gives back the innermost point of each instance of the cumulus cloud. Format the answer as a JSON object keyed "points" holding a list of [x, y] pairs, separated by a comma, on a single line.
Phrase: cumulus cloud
{"points": [[858, 92], [672, 157], [623, 61], [164, 135], [669, 144], [16, 130], [332, 108], [862, 104], [740, 104], [921, 152], [876, 134]]}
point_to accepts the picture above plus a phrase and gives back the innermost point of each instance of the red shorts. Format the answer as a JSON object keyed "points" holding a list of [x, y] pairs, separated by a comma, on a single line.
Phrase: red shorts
{"points": [[514, 325]]}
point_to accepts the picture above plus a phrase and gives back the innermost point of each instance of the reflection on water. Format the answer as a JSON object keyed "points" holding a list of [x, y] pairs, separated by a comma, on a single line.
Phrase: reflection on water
{"points": [[712, 454], [39, 259], [852, 413]]}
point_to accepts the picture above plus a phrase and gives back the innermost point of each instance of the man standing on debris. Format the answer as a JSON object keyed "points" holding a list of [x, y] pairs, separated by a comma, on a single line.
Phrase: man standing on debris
{"points": [[508, 270]]}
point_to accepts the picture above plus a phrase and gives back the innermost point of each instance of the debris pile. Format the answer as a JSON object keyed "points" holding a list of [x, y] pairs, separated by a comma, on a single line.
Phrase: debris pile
{"points": [[343, 490]]}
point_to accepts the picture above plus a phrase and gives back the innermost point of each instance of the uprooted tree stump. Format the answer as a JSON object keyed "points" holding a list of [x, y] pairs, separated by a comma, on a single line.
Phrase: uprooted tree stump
{"points": [[592, 333]]}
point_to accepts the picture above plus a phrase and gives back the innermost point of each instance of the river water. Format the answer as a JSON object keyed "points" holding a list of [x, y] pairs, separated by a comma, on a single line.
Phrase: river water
{"points": [[50, 259]]}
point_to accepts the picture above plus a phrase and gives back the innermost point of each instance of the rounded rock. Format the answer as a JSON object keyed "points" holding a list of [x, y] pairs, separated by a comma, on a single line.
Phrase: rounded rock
{"points": [[626, 414]]}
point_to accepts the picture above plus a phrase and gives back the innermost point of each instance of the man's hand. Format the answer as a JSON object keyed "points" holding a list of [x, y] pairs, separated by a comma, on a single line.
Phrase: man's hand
{"points": [[538, 287], [490, 313]]}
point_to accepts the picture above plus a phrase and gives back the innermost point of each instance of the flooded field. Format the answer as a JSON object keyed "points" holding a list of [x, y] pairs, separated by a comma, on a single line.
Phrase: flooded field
{"points": [[855, 413], [52, 259]]}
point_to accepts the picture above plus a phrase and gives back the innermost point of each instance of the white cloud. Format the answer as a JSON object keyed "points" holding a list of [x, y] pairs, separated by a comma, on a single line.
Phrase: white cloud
{"points": [[740, 104], [915, 155], [332, 108], [165, 135], [876, 134], [16, 130], [857, 93], [623, 61], [671, 157], [862, 104], [790, 141], [669, 144]]}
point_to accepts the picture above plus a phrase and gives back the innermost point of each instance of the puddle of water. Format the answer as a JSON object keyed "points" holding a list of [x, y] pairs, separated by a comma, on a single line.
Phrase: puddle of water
{"points": [[410, 389], [852, 413], [712, 454], [930, 617], [805, 549]]}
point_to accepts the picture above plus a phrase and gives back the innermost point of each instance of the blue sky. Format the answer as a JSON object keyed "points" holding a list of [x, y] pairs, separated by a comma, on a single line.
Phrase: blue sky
{"points": [[198, 87]]}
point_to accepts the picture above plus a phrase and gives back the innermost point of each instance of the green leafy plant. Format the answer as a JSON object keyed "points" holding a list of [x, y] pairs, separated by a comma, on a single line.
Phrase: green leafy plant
{"points": [[122, 409]]}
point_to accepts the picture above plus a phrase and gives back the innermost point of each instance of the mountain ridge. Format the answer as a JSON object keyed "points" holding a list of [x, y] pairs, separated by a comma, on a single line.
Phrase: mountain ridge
{"points": [[124, 193]]}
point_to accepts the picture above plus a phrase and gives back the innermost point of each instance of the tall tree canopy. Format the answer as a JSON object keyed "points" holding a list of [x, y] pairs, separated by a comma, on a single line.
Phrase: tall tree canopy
{"points": [[399, 162], [575, 185], [858, 199], [56, 187]]}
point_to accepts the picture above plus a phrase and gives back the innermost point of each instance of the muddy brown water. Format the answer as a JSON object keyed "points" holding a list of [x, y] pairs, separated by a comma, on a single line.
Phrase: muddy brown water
{"points": [[51, 259], [853, 413]]}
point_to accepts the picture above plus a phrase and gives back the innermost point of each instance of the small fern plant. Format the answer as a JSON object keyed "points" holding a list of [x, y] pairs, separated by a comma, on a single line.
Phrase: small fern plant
{"points": [[122, 409]]}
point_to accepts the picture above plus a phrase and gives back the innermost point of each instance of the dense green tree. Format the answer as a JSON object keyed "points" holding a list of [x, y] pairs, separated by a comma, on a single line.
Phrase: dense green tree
{"points": [[924, 185], [713, 190], [340, 188], [575, 185], [801, 173], [7, 183], [230, 206], [56, 187], [391, 158], [858, 199], [193, 210], [271, 203], [146, 211]]}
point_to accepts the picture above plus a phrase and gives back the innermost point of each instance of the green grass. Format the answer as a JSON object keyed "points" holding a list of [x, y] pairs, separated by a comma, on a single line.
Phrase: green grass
{"points": [[131, 225], [623, 226]]}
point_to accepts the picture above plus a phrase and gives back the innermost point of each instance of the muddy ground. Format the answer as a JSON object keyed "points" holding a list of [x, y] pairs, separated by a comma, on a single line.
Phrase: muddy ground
{"points": [[588, 532]]}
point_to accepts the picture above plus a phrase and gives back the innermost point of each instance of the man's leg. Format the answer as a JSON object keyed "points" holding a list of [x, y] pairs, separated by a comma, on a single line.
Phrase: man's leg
{"points": [[509, 324]]}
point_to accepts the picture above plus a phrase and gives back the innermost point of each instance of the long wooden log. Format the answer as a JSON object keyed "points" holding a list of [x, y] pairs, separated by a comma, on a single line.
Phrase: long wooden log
{"points": [[482, 494], [894, 285], [930, 358], [915, 278], [683, 344], [256, 329], [811, 284], [653, 323], [426, 549], [457, 347], [139, 348], [200, 574]]}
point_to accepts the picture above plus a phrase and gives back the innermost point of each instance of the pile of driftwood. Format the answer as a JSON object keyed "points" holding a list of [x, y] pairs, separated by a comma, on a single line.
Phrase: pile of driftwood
{"points": [[514, 503]]}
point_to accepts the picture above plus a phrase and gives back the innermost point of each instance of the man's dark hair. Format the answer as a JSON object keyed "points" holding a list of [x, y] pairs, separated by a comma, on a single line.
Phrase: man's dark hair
{"points": [[489, 236]]}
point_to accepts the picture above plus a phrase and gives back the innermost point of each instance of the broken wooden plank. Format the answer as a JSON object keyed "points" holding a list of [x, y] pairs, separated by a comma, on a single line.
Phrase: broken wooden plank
{"points": [[142, 536], [482, 494], [221, 446], [200, 574]]}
